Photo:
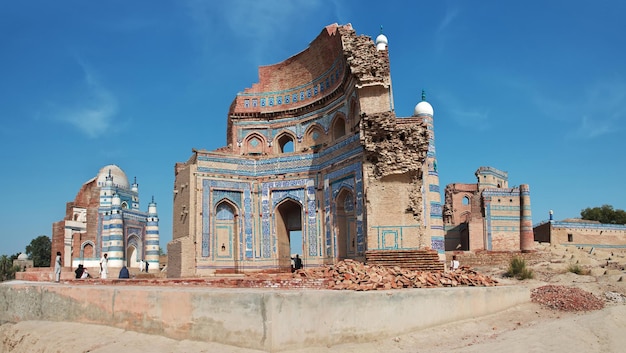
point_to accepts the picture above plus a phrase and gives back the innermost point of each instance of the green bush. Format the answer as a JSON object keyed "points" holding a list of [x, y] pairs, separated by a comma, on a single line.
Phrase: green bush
{"points": [[518, 269]]}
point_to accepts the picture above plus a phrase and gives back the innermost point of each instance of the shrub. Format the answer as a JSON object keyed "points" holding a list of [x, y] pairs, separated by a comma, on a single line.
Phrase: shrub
{"points": [[518, 269], [577, 269]]}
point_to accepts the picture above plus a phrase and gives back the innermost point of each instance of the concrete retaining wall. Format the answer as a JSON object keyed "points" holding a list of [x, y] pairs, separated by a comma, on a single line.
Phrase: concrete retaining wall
{"points": [[270, 320]]}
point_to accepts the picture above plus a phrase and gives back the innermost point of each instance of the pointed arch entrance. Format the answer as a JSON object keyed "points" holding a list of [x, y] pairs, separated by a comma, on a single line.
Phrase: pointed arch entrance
{"points": [[226, 236], [133, 251], [345, 225], [288, 232]]}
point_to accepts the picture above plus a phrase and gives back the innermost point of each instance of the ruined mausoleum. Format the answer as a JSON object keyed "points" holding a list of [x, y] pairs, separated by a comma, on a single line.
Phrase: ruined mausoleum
{"points": [[488, 215], [105, 217], [316, 163]]}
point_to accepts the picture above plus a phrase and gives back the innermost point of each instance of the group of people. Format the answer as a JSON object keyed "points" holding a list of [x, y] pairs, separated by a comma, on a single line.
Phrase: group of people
{"points": [[81, 272]]}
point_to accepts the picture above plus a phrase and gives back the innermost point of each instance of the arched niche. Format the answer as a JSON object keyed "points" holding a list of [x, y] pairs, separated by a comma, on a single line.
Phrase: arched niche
{"points": [[314, 137], [87, 250], [345, 224], [339, 126], [226, 235], [254, 144], [285, 143], [353, 114]]}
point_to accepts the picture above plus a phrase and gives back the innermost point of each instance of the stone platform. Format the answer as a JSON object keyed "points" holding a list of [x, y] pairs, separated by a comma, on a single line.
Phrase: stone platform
{"points": [[264, 319]]}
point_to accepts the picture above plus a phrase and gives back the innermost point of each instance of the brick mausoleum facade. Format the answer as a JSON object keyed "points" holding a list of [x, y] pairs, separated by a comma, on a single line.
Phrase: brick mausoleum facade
{"points": [[488, 215], [105, 218], [316, 164]]}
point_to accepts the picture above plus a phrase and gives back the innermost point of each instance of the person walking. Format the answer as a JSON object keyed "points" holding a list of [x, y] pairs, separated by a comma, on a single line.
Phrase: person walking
{"points": [[104, 266], [57, 267]]}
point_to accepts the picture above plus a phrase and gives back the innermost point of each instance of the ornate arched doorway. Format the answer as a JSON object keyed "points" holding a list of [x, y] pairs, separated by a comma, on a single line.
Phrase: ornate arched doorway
{"points": [[226, 236]]}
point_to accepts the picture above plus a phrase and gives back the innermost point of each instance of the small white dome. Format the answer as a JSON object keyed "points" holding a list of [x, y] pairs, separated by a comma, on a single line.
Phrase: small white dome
{"points": [[423, 108], [381, 42], [119, 177], [22, 257], [381, 39]]}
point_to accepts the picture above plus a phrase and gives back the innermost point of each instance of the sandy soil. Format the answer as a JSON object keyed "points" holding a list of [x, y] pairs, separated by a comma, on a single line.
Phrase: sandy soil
{"points": [[525, 328]]}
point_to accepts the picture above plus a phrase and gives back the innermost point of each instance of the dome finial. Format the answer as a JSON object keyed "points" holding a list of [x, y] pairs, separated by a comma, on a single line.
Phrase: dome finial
{"points": [[423, 95], [381, 29]]}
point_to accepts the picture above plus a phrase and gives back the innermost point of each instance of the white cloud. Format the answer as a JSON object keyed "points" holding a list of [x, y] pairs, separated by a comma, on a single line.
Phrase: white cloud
{"points": [[257, 23], [599, 111], [92, 110]]}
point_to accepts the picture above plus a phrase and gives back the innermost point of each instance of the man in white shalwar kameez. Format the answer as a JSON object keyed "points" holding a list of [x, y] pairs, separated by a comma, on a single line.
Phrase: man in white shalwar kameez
{"points": [[104, 269]]}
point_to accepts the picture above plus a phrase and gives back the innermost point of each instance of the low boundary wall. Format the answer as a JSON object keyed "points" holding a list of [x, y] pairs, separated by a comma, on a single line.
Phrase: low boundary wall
{"points": [[265, 319]]}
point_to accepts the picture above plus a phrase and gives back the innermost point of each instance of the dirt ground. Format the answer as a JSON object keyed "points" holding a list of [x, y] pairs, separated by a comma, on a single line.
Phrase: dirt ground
{"points": [[530, 327]]}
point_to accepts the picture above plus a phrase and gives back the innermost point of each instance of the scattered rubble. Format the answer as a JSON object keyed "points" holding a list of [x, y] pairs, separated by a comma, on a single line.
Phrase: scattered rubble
{"points": [[616, 298], [353, 275], [566, 298]]}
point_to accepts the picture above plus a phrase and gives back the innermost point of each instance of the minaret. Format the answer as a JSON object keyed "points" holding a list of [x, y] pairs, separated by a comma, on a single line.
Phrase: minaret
{"points": [[135, 195], [106, 191], [527, 238], [433, 218], [151, 245], [115, 246], [381, 40]]}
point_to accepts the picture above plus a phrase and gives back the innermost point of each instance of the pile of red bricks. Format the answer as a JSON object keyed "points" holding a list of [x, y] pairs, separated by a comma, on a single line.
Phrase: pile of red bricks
{"points": [[353, 275], [566, 298]]}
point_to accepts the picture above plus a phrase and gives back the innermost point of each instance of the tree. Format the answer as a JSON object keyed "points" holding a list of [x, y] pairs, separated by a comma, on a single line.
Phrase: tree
{"points": [[604, 214], [39, 250], [7, 270]]}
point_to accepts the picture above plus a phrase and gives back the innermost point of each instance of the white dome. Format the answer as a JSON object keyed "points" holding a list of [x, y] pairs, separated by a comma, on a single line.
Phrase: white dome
{"points": [[381, 42], [423, 108], [119, 177], [22, 257], [382, 39]]}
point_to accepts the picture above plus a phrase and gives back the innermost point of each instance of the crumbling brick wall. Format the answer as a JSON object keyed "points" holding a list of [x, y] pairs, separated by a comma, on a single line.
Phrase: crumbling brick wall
{"points": [[395, 147], [391, 147], [367, 64]]}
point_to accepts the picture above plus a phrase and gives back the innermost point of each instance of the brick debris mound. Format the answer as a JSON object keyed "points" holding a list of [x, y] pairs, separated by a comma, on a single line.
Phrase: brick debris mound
{"points": [[566, 298], [353, 275]]}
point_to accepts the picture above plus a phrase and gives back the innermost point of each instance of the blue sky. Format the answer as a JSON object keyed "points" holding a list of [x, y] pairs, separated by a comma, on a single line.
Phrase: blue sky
{"points": [[534, 88]]}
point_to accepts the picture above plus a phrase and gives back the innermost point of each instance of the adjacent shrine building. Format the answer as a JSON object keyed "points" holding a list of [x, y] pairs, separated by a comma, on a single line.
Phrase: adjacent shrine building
{"points": [[105, 218], [488, 215], [316, 164]]}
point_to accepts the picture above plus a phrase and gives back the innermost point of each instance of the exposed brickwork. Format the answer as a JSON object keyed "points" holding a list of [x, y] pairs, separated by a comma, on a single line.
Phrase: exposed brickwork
{"points": [[499, 259], [416, 260], [367, 64], [391, 147]]}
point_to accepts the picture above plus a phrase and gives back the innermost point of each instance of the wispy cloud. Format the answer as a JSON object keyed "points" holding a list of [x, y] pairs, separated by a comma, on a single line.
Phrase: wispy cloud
{"points": [[443, 35], [599, 111], [448, 18], [92, 110], [258, 23]]}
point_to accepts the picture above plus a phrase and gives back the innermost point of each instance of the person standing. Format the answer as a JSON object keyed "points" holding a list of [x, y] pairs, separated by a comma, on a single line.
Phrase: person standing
{"points": [[454, 264], [297, 262], [57, 267], [147, 265], [142, 266], [104, 266]]}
